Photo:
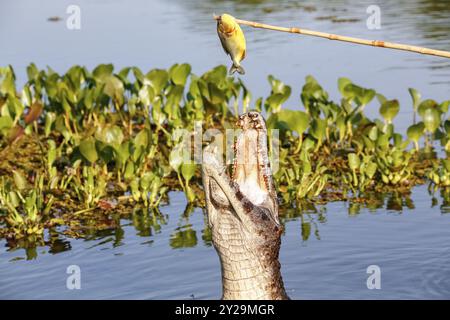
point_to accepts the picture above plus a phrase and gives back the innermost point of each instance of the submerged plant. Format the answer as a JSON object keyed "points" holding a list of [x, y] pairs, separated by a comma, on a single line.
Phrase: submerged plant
{"points": [[440, 174], [25, 208]]}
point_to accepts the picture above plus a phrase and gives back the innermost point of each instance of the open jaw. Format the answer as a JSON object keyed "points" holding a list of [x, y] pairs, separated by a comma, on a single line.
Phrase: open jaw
{"points": [[249, 169]]}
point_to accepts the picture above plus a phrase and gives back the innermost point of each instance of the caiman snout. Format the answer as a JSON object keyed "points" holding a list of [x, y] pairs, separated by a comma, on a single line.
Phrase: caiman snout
{"points": [[250, 120]]}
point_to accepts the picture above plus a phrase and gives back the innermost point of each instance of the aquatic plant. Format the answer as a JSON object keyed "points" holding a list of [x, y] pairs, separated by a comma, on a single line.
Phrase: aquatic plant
{"points": [[25, 207], [106, 140]]}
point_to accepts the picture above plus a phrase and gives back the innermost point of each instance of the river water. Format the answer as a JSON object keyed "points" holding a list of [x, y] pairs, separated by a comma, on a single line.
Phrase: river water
{"points": [[325, 250]]}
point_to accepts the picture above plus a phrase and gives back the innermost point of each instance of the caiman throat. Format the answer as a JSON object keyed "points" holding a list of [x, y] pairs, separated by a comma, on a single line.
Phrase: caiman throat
{"points": [[243, 214]]}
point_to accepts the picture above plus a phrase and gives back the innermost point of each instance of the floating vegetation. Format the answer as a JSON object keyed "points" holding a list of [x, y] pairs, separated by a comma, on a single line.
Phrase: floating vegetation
{"points": [[80, 150]]}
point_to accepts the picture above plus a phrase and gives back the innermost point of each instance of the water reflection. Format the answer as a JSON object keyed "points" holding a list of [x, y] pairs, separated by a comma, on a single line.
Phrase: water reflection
{"points": [[206, 232], [308, 222], [149, 222], [309, 214], [374, 201], [445, 195], [184, 235], [58, 244]]}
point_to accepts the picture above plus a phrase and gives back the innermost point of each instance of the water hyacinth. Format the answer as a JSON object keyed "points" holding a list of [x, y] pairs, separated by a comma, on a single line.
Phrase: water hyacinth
{"points": [[79, 146]]}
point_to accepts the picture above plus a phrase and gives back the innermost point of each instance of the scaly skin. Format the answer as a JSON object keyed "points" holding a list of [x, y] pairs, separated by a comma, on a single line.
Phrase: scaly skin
{"points": [[246, 234]]}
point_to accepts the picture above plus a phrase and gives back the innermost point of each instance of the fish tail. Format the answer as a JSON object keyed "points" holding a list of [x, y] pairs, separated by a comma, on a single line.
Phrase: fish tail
{"points": [[238, 68]]}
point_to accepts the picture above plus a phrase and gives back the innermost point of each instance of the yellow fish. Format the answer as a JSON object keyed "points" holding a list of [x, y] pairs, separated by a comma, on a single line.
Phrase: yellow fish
{"points": [[233, 41]]}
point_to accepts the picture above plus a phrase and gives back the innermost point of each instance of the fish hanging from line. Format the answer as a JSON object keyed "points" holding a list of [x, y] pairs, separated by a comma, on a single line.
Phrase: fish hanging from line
{"points": [[233, 41]]}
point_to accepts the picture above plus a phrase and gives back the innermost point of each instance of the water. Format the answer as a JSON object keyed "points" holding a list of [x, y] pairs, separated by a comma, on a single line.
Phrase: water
{"points": [[326, 259], [175, 260]]}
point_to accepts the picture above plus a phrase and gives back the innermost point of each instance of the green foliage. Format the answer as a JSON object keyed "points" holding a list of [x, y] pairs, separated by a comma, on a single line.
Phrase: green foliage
{"points": [[440, 174], [105, 136], [25, 207]]}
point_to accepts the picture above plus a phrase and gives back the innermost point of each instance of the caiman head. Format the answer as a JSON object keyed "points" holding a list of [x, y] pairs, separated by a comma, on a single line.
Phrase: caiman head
{"points": [[243, 214]]}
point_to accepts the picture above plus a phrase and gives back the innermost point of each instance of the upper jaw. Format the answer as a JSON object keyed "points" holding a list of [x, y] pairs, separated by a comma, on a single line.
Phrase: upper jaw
{"points": [[247, 171]]}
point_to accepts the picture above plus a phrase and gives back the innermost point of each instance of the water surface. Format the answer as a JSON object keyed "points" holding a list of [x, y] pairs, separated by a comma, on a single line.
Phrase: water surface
{"points": [[325, 251], [324, 255]]}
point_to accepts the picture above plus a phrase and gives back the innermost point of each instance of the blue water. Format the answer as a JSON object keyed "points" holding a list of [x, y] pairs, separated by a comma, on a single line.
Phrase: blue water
{"points": [[410, 246]]}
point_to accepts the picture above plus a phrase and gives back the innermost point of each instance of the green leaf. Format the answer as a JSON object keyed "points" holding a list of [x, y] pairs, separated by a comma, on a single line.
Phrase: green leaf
{"points": [[446, 164], [114, 88], [318, 128], [141, 138], [188, 171], [50, 118], [416, 96], [443, 107], [273, 103], [179, 73], [431, 119], [382, 99], [102, 71], [176, 157], [415, 131], [129, 170], [373, 133], [371, 169], [216, 96], [174, 97], [217, 75], [358, 94], [367, 96], [342, 83], [353, 161], [19, 180], [146, 95], [447, 127], [111, 135], [123, 74], [146, 180], [107, 153], [51, 153], [5, 122], [158, 79], [27, 96], [7, 81], [279, 94], [293, 120], [389, 110], [88, 150], [426, 104], [383, 140], [32, 72], [138, 74], [122, 152]]}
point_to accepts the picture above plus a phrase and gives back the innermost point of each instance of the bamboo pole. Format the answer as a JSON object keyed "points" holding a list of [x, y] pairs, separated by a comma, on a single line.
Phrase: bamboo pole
{"points": [[330, 36]]}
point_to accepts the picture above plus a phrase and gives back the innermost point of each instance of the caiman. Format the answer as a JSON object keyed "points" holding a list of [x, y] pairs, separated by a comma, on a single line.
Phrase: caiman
{"points": [[243, 214]]}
